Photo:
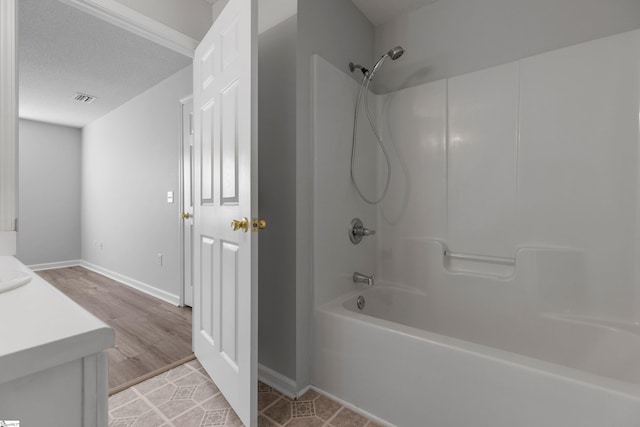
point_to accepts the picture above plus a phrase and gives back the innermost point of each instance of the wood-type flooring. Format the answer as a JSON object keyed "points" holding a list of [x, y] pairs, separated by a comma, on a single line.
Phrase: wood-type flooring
{"points": [[150, 333]]}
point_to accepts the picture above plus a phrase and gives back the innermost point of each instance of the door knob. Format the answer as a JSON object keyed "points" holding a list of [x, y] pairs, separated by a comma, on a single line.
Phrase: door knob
{"points": [[185, 215], [242, 224]]}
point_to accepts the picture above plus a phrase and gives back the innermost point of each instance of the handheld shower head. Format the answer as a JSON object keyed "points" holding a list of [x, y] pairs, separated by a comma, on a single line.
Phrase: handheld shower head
{"points": [[394, 54]]}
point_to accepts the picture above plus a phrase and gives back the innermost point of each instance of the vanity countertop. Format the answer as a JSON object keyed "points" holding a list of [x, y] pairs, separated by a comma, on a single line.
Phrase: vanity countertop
{"points": [[40, 327]]}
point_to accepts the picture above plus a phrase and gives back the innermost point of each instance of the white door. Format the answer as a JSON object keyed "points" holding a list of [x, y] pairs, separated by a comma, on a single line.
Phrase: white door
{"points": [[187, 202], [225, 261]]}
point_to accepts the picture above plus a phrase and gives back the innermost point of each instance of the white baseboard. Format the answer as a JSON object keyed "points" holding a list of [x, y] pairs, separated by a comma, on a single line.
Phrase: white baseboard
{"points": [[51, 265], [136, 284], [284, 385]]}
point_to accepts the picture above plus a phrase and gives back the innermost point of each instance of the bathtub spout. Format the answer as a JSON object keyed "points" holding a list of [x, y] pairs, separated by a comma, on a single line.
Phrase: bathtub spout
{"points": [[363, 278]]}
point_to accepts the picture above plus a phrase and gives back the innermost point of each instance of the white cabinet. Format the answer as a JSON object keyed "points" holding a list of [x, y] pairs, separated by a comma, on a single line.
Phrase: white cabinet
{"points": [[53, 365]]}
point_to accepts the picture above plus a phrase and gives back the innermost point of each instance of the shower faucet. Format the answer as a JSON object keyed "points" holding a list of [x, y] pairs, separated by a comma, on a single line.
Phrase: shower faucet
{"points": [[363, 278], [357, 231]]}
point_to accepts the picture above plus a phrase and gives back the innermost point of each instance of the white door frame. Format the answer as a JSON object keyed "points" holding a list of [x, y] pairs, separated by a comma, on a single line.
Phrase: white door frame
{"points": [[8, 125], [183, 263]]}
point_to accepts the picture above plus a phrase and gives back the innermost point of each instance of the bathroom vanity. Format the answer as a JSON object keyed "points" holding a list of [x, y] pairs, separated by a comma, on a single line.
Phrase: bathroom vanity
{"points": [[53, 364]]}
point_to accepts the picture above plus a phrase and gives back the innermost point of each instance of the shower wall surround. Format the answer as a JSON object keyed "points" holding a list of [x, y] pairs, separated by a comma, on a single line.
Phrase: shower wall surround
{"points": [[538, 153], [336, 202]]}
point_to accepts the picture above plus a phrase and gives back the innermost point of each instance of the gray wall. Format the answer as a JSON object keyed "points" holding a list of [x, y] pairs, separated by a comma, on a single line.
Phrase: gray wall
{"points": [[340, 33], [49, 193], [453, 37], [277, 178], [130, 161]]}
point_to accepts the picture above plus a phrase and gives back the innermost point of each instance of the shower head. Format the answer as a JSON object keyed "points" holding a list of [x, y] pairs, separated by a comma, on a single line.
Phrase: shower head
{"points": [[394, 54]]}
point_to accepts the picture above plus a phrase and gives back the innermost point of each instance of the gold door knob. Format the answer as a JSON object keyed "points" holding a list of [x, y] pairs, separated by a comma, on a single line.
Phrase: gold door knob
{"points": [[258, 224], [185, 215], [242, 224]]}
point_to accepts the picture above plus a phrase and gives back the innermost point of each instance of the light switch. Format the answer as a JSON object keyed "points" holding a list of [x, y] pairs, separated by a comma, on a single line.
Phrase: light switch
{"points": [[169, 196]]}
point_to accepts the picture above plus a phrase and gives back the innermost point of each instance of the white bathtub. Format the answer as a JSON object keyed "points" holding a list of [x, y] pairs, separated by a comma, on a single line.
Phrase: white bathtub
{"points": [[413, 362]]}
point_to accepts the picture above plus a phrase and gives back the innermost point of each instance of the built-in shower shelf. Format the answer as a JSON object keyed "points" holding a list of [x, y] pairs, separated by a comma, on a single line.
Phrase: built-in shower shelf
{"points": [[484, 265], [480, 258]]}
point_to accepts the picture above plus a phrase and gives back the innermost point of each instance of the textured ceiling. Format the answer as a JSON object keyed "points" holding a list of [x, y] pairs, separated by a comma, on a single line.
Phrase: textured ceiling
{"points": [[381, 11], [63, 50]]}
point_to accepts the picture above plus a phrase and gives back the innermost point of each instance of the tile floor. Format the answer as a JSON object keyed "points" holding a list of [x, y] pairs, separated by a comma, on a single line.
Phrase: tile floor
{"points": [[185, 396]]}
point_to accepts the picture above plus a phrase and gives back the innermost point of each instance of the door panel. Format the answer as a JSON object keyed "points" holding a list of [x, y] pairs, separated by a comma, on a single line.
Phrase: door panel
{"points": [[205, 307], [229, 150], [225, 262], [229, 299], [208, 115]]}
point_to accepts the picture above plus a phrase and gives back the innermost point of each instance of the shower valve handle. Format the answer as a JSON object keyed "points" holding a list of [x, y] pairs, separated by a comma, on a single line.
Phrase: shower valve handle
{"points": [[357, 231], [363, 232]]}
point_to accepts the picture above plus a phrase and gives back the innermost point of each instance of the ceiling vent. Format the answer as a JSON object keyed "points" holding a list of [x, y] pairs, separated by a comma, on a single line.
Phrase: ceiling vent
{"points": [[84, 98]]}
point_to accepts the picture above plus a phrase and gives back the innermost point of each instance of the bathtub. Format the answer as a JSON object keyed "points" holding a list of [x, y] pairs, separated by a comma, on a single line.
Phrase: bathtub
{"points": [[413, 362]]}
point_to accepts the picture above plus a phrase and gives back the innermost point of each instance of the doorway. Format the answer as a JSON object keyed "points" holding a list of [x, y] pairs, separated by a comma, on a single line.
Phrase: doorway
{"points": [[114, 219]]}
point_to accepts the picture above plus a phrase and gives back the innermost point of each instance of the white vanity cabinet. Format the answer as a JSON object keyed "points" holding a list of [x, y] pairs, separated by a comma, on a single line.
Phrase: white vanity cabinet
{"points": [[53, 364]]}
